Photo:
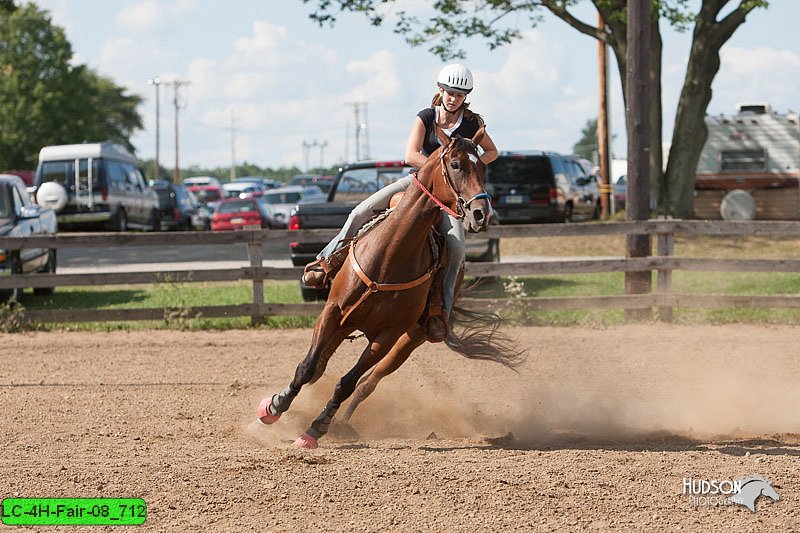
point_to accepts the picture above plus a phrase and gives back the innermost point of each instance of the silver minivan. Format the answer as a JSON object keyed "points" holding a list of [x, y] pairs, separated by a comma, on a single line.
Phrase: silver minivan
{"points": [[95, 186]]}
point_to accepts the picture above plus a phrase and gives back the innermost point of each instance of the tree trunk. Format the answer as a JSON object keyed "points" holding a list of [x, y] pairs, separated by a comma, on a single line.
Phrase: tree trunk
{"points": [[658, 186], [690, 132]]}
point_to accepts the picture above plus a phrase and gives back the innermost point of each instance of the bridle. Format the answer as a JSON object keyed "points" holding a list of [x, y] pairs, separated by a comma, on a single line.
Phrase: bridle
{"points": [[461, 204]]}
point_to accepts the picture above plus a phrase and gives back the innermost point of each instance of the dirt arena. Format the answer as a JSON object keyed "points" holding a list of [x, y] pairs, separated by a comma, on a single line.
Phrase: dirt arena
{"points": [[597, 431]]}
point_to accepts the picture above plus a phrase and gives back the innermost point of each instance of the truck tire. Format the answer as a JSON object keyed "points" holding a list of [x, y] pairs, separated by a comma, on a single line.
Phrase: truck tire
{"points": [[13, 294], [119, 222], [50, 268]]}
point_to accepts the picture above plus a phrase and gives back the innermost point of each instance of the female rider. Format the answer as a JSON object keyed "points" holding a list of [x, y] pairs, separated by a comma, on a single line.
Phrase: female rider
{"points": [[450, 111]]}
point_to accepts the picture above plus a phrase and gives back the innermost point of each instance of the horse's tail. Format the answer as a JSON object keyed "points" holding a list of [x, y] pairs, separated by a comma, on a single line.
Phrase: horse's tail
{"points": [[475, 335]]}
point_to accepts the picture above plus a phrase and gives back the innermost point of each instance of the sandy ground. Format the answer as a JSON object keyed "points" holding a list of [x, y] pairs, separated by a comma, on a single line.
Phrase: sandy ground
{"points": [[596, 431]]}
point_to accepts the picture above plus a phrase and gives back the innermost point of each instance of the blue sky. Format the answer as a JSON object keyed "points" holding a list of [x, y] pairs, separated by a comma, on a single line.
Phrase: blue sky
{"points": [[288, 81]]}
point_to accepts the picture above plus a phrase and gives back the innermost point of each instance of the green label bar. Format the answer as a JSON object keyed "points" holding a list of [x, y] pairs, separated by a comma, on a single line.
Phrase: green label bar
{"points": [[74, 511]]}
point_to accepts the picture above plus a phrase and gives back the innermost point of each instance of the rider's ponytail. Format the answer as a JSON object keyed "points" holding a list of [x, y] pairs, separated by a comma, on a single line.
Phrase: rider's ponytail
{"points": [[469, 115]]}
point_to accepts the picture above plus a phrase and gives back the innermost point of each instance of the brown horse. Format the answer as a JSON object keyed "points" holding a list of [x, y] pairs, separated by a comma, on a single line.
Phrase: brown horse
{"points": [[397, 252]]}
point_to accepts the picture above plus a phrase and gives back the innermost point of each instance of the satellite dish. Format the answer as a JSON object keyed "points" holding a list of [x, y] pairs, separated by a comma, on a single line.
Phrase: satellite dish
{"points": [[738, 205]]}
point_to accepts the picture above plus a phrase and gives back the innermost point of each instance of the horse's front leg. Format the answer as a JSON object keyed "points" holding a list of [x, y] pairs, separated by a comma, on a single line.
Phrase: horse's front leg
{"points": [[327, 337], [398, 355], [372, 354]]}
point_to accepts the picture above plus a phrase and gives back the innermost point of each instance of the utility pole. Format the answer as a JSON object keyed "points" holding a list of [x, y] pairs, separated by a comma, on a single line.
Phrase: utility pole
{"points": [[362, 144], [606, 187], [176, 85], [322, 146], [156, 168], [306, 151], [638, 118]]}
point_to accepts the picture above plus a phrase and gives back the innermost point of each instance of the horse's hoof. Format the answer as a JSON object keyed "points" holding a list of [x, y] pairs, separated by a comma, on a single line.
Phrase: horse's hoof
{"points": [[306, 441], [263, 412]]}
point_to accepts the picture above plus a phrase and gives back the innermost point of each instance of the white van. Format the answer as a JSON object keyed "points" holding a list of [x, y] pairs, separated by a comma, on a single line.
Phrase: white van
{"points": [[96, 186]]}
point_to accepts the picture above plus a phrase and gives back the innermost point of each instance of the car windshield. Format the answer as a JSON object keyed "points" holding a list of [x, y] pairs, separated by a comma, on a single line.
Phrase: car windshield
{"points": [[357, 184], [238, 206], [534, 169], [207, 195], [282, 197], [164, 196]]}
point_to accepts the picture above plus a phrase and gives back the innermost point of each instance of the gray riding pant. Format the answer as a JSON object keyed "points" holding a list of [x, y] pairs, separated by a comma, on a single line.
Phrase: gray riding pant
{"points": [[450, 227]]}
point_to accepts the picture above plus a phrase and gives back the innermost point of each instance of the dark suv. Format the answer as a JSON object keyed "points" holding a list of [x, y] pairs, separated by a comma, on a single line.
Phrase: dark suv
{"points": [[179, 209], [536, 186]]}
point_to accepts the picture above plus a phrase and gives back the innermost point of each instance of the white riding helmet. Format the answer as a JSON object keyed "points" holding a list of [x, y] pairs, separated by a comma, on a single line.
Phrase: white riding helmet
{"points": [[455, 78]]}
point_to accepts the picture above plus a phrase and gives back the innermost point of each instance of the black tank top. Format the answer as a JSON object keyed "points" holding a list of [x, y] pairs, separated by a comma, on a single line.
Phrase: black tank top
{"points": [[468, 128]]}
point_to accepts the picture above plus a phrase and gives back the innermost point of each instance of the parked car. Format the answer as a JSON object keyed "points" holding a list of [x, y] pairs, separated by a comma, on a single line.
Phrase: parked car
{"points": [[265, 182], [323, 182], [285, 198], [21, 217], [200, 180], [620, 192], [208, 195], [242, 189], [235, 213], [97, 186], [179, 209], [537, 186]]}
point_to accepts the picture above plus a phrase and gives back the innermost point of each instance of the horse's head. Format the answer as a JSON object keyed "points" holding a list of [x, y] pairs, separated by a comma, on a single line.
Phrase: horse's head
{"points": [[463, 173]]}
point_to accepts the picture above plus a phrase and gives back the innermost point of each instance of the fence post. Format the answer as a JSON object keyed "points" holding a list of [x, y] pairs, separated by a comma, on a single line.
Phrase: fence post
{"points": [[255, 253], [666, 248]]}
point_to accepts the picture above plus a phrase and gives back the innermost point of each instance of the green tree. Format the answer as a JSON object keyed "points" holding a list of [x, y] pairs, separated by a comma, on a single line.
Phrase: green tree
{"points": [[712, 25], [7, 6], [587, 144], [44, 99]]}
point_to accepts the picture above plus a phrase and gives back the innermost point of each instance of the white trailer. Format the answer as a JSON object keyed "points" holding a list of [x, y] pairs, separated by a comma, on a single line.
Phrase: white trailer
{"points": [[750, 166]]}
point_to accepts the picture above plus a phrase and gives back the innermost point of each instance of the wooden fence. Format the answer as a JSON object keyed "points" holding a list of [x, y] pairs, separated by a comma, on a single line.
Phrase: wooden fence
{"points": [[662, 297]]}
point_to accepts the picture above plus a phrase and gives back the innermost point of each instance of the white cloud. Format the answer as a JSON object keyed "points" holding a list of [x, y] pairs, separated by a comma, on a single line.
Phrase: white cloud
{"points": [[261, 49], [760, 74], [144, 16], [182, 7], [378, 76]]}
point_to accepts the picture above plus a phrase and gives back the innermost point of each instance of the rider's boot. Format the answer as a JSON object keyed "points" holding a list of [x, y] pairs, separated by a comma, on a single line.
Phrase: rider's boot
{"points": [[436, 328], [317, 273], [436, 325]]}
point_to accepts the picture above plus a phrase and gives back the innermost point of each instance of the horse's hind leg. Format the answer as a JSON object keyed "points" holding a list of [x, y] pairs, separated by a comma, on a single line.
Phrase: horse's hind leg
{"points": [[373, 353], [394, 359], [327, 337]]}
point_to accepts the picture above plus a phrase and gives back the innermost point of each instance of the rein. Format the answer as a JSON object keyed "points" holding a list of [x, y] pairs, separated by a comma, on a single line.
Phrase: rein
{"points": [[436, 200], [462, 204]]}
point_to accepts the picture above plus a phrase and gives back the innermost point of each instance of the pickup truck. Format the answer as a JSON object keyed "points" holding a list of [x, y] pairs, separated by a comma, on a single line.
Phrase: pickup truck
{"points": [[352, 184], [19, 216]]}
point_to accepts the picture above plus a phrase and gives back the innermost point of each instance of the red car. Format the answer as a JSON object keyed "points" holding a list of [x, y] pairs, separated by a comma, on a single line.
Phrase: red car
{"points": [[236, 213]]}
